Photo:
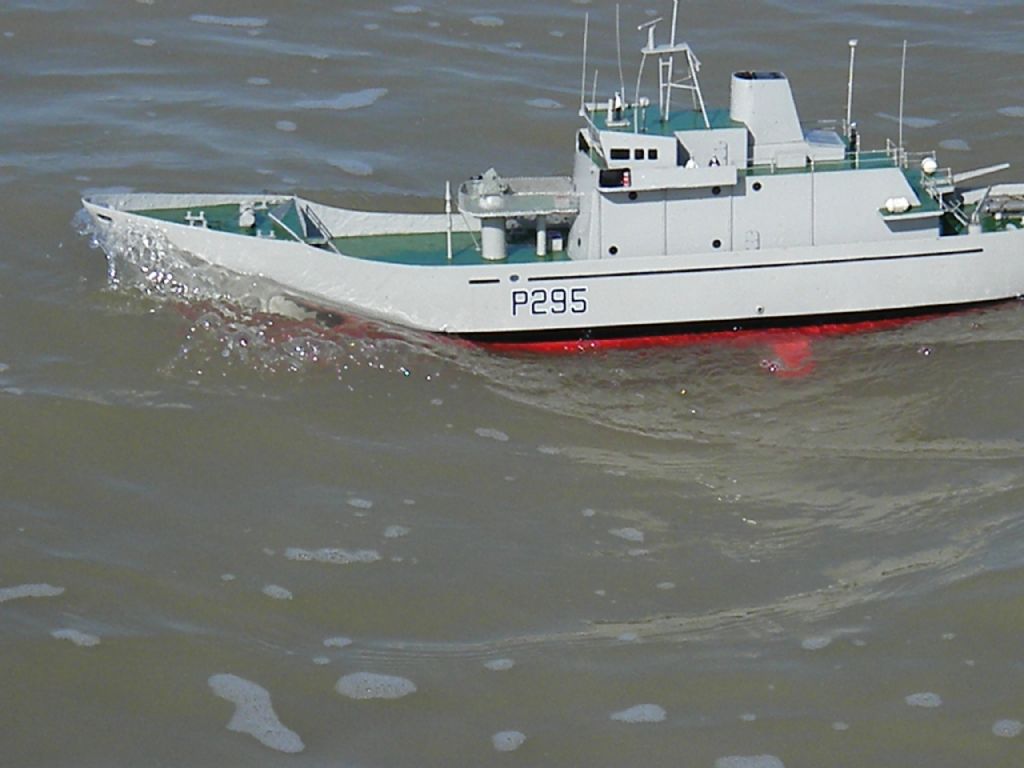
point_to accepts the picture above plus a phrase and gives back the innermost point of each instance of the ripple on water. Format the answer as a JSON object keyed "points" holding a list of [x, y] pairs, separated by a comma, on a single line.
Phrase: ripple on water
{"points": [[1014, 111], [254, 714], [492, 434], [488, 21], [499, 665], [277, 593], [815, 643], [508, 741], [351, 166], [245, 22], [81, 639], [23, 591], [927, 699], [752, 761], [629, 534], [544, 104], [641, 713], [346, 101], [370, 685], [332, 556], [407, 9]]}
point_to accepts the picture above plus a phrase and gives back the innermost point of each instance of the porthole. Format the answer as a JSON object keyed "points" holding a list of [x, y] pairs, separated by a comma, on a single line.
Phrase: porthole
{"points": [[757, 186], [632, 195], [716, 190], [613, 250], [716, 244]]}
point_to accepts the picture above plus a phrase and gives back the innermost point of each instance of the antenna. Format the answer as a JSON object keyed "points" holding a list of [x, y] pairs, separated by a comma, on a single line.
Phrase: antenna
{"points": [[849, 88], [618, 45], [583, 79], [903, 84]]}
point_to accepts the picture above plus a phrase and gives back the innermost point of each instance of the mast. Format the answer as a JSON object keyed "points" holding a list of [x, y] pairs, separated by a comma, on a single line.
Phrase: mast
{"points": [[666, 68]]}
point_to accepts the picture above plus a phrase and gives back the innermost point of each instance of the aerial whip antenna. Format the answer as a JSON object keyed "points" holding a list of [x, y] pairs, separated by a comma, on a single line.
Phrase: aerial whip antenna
{"points": [[618, 45], [903, 84], [583, 79]]}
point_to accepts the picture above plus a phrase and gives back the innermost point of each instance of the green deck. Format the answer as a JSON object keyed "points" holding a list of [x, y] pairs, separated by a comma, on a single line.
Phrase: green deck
{"points": [[432, 250], [416, 249], [681, 120]]}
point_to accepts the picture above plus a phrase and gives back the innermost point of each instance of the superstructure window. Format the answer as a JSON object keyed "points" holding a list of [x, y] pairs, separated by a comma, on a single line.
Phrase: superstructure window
{"points": [[638, 154], [652, 154], [620, 154]]}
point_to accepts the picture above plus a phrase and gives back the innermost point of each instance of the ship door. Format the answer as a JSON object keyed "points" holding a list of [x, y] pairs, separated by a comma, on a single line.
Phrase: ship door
{"points": [[753, 240], [721, 155]]}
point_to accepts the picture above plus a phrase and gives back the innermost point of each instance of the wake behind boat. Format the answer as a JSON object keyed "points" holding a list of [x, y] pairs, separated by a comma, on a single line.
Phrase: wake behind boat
{"points": [[672, 219]]}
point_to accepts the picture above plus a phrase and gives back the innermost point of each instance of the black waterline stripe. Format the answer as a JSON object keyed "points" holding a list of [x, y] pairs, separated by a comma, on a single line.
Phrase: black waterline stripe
{"points": [[698, 270]]}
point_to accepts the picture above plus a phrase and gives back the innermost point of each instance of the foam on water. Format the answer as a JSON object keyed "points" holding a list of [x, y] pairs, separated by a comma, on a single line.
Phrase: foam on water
{"points": [[408, 10], [499, 665], [254, 713], [332, 556], [29, 590], [629, 534], [508, 741], [753, 761], [641, 713], [351, 166], [345, 101], [395, 532], [544, 104], [910, 122], [1012, 111], [1008, 729], [370, 685], [337, 642], [816, 643], [359, 503], [287, 126], [144, 42], [492, 434], [277, 593], [81, 639], [926, 699], [244, 22], [488, 21]]}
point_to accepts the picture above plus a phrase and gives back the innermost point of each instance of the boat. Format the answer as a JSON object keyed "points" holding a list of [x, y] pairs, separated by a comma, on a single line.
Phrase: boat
{"points": [[675, 217]]}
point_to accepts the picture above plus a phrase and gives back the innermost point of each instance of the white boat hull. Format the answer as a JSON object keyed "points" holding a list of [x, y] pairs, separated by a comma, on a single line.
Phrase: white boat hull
{"points": [[537, 299]]}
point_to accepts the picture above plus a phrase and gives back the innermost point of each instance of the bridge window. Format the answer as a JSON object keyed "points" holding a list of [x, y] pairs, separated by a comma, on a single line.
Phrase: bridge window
{"points": [[620, 154]]}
